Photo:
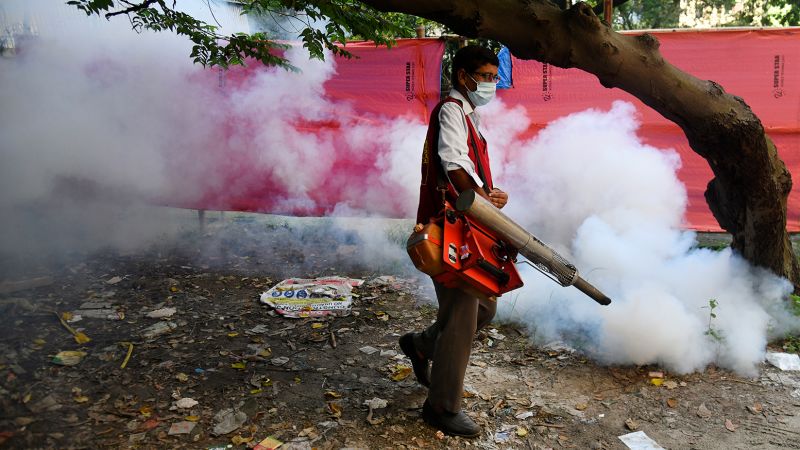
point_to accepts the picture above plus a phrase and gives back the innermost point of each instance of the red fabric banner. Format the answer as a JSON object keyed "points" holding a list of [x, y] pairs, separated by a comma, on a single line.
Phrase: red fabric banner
{"points": [[264, 165], [760, 66], [316, 142]]}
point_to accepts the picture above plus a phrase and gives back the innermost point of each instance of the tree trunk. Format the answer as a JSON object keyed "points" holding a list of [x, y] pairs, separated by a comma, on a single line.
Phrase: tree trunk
{"points": [[749, 193]]}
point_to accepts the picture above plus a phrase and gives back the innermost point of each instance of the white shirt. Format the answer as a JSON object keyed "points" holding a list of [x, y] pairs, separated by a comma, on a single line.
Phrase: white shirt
{"points": [[453, 134]]}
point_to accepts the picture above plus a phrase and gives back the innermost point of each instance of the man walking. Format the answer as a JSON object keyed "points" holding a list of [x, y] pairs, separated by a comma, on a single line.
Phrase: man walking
{"points": [[454, 159]]}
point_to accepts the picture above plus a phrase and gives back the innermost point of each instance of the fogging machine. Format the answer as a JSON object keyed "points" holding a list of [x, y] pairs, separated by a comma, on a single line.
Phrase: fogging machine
{"points": [[475, 246]]}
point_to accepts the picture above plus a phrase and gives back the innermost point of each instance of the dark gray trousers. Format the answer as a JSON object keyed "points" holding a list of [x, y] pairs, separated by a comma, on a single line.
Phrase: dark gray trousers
{"points": [[448, 342]]}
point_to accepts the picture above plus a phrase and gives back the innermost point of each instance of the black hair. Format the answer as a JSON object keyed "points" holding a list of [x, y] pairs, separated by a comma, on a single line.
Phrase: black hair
{"points": [[470, 58]]}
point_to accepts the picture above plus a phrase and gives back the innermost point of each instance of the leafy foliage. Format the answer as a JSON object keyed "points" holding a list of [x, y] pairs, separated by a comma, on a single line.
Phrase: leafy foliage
{"points": [[646, 14], [774, 13], [321, 25], [712, 332], [326, 25], [795, 304]]}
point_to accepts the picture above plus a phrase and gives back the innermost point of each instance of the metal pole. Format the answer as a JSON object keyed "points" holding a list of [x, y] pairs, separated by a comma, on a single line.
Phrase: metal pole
{"points": [[608, 10], [543, 257], [201, 219]]}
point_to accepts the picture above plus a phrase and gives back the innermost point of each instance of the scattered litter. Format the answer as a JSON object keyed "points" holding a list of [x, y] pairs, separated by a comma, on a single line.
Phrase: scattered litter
{"points": [[258, 329], [186, 403], [317, 297], [228, 420], [400, 372], [79, 337], [439, 435], [48, 403], [729, 425], [756, 408], [494, 334], [383, 280], [522, 431], [239, 440], [182, 377], [375, 403], [670, 384], [279, 361], [269, 443], [137, 437], [559, 347], [98, 310], [525, 415], [368, 350], [157, 329], [631, 424], [77, 395], [150, 424], [161, 313], [114, 280], [703, 412], [335, 409], [672, 402], [330, 395], [655, 374], [784, 361], [389, 353], [68, 358], [502, 436], [127, 355], [639, 441], [184, 427]]}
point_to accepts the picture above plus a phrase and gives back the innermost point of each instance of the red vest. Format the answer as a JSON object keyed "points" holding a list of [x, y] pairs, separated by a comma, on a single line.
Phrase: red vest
{"points": [[434, 182]]}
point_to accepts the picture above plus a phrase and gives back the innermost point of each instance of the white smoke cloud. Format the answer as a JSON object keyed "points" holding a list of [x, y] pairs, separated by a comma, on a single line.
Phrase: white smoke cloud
{"points": [[613, 206], [97, 123]]}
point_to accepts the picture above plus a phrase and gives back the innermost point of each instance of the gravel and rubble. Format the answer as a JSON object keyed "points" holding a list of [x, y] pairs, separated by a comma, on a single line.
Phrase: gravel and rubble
{"points": [[183, 355]]}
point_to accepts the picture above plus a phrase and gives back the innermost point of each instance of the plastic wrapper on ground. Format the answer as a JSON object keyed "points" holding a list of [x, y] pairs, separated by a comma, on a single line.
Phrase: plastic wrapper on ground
{"points": [[317, 297]]}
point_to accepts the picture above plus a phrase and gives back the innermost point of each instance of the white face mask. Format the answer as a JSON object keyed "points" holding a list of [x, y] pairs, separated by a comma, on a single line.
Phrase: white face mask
{"points": [[483, 94]]}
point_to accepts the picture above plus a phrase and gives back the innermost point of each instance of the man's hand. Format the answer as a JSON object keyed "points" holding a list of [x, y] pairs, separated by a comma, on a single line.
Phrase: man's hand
{"points": [[498, 198]]}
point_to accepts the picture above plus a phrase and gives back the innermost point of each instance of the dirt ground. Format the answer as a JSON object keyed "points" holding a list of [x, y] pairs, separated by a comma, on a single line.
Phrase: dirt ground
{"points": [[224, 350]]}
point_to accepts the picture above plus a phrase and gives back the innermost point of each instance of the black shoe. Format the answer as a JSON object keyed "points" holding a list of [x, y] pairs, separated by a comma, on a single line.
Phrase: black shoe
{"points": [[418, 363], [453, 424]]}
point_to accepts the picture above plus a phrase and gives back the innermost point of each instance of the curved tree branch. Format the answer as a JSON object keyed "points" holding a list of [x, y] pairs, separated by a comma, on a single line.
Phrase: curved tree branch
{"points": [[748, 195], [132, 8]]}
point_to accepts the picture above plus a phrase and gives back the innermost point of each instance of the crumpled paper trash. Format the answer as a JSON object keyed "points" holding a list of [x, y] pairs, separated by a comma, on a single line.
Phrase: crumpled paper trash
{"points": [[784, 361], [228, 420]]}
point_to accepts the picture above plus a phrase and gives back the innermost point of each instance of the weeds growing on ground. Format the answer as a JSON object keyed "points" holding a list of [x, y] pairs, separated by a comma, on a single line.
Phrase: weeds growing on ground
{"points": [[712, 332], [792, 344], [795, 304]]}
